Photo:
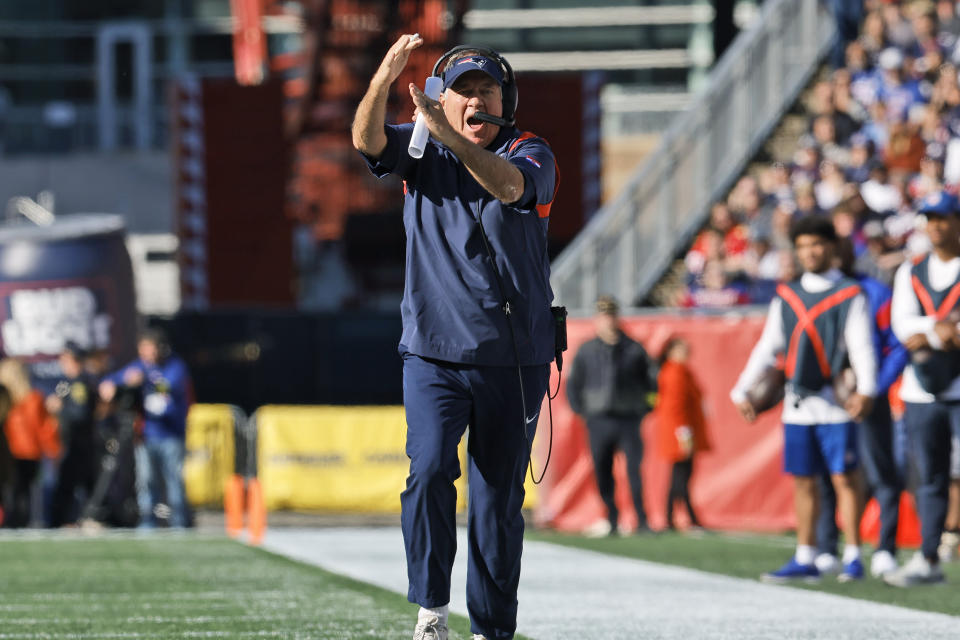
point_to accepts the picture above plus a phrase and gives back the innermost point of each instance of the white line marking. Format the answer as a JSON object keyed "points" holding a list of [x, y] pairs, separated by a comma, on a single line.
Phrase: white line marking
{"points": [[568, 593]]}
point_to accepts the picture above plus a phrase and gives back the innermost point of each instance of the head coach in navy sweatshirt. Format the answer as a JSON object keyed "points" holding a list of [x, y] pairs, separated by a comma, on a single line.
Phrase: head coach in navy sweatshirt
{"points": [[478, 333]]}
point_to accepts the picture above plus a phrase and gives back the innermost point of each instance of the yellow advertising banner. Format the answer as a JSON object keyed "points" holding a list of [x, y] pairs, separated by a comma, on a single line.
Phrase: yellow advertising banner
{"points": [[335, 458], [209, 458]]}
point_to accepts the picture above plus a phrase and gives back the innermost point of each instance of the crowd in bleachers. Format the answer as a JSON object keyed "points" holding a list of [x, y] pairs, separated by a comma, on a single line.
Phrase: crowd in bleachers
{"points": [[881, 132]]}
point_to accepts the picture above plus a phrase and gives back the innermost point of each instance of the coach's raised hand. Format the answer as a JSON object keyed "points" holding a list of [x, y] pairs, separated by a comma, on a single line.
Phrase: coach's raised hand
{"points": [[368, 135], [396, 59]]}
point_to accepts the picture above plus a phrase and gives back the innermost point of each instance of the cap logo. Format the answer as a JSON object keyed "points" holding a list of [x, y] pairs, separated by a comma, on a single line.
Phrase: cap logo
{"points": [[480, 63]]}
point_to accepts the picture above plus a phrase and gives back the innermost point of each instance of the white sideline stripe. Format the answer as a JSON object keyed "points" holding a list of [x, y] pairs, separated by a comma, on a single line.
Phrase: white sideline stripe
{"points": [[569, 593]]}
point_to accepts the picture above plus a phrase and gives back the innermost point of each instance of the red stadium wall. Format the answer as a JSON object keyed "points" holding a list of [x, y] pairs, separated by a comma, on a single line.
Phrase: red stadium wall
{"points": [[739, 484], [236, 245]]}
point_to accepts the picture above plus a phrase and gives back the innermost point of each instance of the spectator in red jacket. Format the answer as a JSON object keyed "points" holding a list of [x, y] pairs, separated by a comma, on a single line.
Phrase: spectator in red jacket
{"points": [[681, 426], [31, 434]]}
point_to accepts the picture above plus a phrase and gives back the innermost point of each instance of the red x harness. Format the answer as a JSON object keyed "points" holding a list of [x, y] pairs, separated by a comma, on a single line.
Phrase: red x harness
{"points": [[926, 301], [805, 324]]}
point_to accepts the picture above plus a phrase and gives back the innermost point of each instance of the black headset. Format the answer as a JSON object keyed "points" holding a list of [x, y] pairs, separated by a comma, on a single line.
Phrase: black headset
{"points": [[509, 87]]}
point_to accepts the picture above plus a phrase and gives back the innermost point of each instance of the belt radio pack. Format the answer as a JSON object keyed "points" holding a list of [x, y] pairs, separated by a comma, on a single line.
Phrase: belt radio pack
{"points": [[559, 334]]}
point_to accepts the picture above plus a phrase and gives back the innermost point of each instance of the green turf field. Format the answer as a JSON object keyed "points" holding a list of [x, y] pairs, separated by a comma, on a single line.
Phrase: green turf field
{"points": [[168, 586], [195, 586], [748, 556]]}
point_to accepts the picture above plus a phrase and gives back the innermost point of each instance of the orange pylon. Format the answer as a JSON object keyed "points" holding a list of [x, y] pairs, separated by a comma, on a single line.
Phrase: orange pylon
{"points": [[233, 505], [256, 512], [243, 501]]}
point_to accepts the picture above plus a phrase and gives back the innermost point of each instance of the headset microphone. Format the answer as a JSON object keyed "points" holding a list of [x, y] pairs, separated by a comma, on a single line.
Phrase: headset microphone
{"points": [[486, 117]]}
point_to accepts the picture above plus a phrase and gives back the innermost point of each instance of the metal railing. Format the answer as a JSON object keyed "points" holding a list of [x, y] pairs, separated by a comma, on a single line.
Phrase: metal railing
{"points": [[99, 117], [629, 243]]}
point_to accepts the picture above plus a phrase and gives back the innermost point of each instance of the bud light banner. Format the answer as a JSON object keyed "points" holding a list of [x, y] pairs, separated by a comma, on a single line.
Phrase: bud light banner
{"points": [[68, 282], [40, 318]]}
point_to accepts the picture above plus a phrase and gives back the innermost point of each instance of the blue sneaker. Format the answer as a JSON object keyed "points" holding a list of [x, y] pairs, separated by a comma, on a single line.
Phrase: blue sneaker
{"points": [[852, 570], [793, 571]]}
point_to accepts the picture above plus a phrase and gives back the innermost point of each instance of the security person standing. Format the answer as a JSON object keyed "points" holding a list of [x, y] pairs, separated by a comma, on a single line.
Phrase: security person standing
{"points": [[478, 333], [610, 380], [73, 403], [926, 300]]}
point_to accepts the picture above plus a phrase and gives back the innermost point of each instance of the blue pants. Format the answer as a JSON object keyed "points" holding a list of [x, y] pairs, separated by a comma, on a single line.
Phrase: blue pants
{"points": [[441, 399], [930, 427], [884, 478], [812, 449], [161, 461]]}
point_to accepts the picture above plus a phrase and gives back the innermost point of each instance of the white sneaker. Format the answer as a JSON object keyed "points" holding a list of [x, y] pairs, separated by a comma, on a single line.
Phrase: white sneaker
{"points": [[599, 529], [477, 636], [827, 563], [918, 570], [430, 629], [949, 541], [882, 563]]}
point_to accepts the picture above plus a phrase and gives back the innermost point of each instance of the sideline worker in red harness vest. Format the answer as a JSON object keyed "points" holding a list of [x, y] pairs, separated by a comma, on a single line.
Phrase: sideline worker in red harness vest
{"points": [[818, 322], [925, 293]]}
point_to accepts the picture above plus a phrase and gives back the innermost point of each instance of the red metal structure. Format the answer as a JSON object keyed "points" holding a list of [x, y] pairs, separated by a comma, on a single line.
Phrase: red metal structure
{"points": [[343, 42], [327, 185]]}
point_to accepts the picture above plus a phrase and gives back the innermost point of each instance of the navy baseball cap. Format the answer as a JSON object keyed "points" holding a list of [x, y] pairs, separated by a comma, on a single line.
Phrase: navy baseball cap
{"points": [[939, 203], [474, 62]]}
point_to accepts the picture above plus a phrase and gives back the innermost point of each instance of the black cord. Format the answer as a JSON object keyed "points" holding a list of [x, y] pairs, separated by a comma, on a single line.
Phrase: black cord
{"points": [[507, 311]]}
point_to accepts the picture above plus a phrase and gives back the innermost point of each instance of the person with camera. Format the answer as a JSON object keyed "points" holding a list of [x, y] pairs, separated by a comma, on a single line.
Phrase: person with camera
{"points": [[817, 321], [478, 334], [164, 386], [73, 402]]}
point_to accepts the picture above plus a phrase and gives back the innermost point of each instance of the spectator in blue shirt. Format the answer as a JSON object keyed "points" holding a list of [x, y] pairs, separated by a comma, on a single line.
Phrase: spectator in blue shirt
{"points": [[164, 383], [477, 334]]}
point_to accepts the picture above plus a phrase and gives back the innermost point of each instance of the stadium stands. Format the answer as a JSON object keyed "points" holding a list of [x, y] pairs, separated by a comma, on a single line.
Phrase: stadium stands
{"points": [[879, 134]]}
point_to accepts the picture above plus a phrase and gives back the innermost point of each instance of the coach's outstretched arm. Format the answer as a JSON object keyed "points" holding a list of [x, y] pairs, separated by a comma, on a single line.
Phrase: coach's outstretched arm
{"points": [[368, 135]]}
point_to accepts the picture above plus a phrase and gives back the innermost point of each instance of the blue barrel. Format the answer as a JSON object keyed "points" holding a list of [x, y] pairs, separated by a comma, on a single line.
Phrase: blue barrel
{"points": [[69, 281]]}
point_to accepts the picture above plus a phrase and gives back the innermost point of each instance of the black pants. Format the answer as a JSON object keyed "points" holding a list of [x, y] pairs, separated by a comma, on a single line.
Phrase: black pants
{"points": [[18, 510], [680, 490], [77, 471], [607, 435], [930, 427]]}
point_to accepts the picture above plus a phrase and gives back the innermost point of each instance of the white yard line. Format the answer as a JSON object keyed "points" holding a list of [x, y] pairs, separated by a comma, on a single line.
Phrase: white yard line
{"points": [[571, 593]]}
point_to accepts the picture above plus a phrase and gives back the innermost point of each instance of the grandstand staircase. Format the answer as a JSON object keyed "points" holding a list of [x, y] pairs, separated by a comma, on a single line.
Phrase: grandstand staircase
{"points": [[780, 147], [630, 245]]}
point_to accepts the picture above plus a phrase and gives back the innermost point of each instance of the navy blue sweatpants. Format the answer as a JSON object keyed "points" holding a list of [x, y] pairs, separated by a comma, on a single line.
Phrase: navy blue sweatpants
{"points": [[441, 399], [929, 427]]}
